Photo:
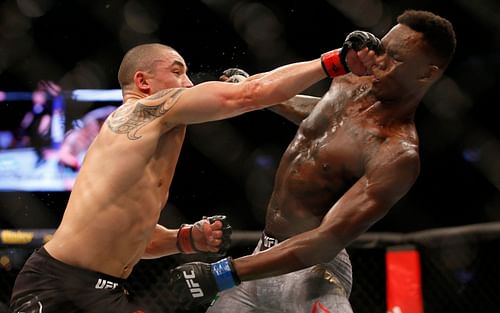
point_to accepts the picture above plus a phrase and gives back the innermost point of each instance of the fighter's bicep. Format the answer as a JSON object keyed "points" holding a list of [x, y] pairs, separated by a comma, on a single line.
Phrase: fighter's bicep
{"points": [[296, 109], [212, 101]]}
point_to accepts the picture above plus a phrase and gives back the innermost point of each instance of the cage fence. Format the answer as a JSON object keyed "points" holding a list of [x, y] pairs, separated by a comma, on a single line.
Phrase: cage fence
{"points": [[459, 268]]}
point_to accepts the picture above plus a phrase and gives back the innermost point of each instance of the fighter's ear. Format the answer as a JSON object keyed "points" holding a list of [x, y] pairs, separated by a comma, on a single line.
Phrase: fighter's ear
{"points": [[431, 73], [141, 82]]}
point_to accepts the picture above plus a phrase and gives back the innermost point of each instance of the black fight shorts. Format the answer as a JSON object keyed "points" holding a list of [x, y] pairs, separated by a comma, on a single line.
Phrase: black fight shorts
{"points": [[47, 285]]}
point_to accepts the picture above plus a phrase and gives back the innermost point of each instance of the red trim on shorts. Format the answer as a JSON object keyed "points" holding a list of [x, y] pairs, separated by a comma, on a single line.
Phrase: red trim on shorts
{"points": [[319, 307]]}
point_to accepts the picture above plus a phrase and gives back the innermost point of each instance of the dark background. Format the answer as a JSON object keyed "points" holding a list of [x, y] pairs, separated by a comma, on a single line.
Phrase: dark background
{"points": [[228, 167]]}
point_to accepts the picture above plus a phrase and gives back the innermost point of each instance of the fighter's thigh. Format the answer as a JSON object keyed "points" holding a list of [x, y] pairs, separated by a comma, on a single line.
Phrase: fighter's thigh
{"points": [[315, 290], [238, 299]]}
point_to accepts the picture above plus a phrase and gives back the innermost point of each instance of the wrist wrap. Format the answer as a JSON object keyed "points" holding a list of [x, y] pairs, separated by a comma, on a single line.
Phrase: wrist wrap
{"points": [[185, 242], [334, 63], [224, 274]]}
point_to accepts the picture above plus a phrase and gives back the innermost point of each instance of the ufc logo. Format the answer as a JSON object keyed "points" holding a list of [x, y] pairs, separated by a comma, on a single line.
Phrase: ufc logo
{"points": [[269, 242], [105, 284], [193, 286]]}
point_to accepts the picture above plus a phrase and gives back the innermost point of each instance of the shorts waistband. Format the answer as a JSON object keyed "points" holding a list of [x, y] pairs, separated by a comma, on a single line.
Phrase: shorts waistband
{"points": [[84, 276], [267, 242]]}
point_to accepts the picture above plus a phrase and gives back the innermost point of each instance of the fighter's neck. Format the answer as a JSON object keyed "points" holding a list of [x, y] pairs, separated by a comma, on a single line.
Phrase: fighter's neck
{"points": [[387, 114], [133, 95], [400, 107], [383, 112]]}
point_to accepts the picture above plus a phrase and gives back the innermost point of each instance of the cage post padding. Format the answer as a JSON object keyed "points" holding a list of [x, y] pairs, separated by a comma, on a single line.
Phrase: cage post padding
{"points": [[403, 280]]}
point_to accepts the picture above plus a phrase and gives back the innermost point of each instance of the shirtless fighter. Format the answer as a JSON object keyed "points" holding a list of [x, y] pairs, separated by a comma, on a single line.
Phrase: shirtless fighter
{"points": [[354, 156], [110, 221]]}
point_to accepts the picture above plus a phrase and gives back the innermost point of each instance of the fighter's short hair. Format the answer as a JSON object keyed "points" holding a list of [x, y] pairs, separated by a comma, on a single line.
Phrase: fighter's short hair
{"points": [[437, 31]]}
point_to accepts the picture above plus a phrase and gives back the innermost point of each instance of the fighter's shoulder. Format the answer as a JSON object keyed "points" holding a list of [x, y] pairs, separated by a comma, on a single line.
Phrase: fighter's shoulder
{"points": [[397, 160], [134, 114], [163, 97], [402, 152], [397, 150]]}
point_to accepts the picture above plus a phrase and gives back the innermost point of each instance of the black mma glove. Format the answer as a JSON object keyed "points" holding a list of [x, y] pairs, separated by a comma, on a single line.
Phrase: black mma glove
{"points": [[227, 231], [358, 40], [334, 62], [197, 283], [186, 243], [234, 75]]}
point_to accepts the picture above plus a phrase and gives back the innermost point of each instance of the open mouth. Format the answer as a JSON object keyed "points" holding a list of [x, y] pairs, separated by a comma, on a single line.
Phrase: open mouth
{"points": [[375, 79]]}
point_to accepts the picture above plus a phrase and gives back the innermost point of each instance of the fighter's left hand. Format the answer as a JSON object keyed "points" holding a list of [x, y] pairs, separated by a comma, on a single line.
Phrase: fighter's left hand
{"points": [[210, 234], [234, 75]]}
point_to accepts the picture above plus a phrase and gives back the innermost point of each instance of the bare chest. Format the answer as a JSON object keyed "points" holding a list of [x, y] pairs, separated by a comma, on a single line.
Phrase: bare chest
{"points": [[330, 158], [318, 167], [333, 145]]}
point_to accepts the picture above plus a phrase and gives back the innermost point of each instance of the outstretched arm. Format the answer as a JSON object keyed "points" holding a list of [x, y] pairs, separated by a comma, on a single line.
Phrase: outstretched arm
{"points": [[387, 180], [297, 108], [218, 100], [212, 101], [294, 109]]}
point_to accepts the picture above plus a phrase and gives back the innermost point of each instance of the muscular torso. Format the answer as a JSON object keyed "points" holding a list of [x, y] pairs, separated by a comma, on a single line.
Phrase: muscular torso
{"points": [[329, 153], [118, 196]]}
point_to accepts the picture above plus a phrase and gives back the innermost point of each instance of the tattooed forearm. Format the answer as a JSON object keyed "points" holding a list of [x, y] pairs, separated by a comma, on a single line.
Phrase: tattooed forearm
{"points": [[130, 118]]}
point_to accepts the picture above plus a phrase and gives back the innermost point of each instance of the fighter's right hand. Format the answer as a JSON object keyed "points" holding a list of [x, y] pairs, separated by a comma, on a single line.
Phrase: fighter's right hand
{"points": [[361, 48], [234, 75], [210, 234], [358, 40], [347, 59], [197, 283]]}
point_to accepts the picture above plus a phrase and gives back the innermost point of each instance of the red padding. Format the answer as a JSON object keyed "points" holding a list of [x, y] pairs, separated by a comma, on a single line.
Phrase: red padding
{"points": [[184, 243], [404, 287], [332, 63]]}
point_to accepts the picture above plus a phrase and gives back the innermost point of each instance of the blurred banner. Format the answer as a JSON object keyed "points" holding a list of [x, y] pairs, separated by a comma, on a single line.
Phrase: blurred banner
{"points": [[31, 161]]}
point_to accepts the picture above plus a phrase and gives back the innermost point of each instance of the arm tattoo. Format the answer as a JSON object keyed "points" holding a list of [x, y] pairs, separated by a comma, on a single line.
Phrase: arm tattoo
{"points": [[129, 119]]}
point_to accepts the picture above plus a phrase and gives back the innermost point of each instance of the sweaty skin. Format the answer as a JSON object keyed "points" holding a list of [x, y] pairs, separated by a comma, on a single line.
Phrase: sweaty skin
{"points": [[121, 188], [110, 222], [354, 156], [333, 149]]}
